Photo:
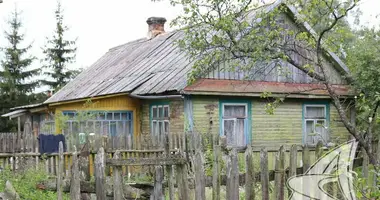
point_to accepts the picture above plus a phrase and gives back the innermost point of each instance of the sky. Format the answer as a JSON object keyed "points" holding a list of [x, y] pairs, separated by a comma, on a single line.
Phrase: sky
{"points": [[99, 25]]}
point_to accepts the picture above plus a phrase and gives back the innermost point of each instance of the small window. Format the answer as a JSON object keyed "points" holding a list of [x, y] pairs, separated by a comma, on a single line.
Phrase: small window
{"points": [[160, 122], [315, 124], [235, 123]]}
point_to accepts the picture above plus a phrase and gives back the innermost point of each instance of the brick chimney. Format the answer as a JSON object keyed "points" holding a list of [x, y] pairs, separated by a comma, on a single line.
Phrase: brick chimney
{"points": [[156, 26]]}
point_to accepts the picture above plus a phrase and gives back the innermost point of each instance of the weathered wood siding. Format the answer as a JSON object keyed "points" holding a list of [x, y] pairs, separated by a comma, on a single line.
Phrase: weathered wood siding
{"points": [[206, 114], [280, 71], [112, 103], [284, 127], [176, 107]]}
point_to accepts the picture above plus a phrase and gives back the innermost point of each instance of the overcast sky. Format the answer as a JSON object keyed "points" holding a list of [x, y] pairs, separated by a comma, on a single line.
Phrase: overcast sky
{"points": [[102, 24]]}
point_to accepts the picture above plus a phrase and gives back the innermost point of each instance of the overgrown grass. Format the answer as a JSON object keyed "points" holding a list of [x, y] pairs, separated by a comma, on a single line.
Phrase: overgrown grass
{"points": [[25, 183]]}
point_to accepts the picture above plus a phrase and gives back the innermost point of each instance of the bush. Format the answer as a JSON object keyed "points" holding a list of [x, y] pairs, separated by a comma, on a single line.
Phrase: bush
{"points": [[25, 183]]}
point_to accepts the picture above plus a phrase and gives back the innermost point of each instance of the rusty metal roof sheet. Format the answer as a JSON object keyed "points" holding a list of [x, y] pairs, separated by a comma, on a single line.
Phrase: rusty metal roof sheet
{"points": [[144, 66], [236, 86]]}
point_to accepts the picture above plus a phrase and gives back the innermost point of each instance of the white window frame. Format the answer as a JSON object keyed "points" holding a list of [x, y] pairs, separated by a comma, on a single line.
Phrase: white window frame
{"points": [[315, 120], [163, 121], [235, 119]]}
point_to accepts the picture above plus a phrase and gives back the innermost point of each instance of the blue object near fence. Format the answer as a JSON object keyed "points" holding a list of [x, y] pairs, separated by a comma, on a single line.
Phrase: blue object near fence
{"points": [[50, 143]]}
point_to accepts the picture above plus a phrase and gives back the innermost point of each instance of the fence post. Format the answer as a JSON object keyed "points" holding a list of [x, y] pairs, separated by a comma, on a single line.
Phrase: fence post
{"points": [[60, 171], [118, 182], [280, 174], [305, 158], [264, 174], [249, 174], [158, 192], [292, 164], [200, 193], [100, 174], [232, 176], [182, 182], [75, 179], [169, 169], [216, 169]]}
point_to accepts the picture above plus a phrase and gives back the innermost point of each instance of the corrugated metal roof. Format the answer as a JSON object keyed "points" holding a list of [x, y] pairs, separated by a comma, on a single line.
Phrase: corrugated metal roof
{"points": [[144, 66], [236, 86]]}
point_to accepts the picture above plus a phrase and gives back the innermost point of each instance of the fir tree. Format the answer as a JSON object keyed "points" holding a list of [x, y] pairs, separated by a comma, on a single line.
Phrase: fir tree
{"points": [[59, 52], [16, 77]]}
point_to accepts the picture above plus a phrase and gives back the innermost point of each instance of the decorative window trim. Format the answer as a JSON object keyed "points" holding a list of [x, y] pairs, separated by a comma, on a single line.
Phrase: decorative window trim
{"points": [[248, 117], [326, 120]]}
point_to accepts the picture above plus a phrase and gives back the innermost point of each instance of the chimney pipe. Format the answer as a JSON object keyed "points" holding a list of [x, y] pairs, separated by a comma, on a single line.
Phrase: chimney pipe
{"points": [[156, 26]]}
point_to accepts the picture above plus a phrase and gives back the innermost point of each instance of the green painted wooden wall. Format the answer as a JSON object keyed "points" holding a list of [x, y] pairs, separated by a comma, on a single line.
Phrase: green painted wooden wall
{"points": [[282, 128]]}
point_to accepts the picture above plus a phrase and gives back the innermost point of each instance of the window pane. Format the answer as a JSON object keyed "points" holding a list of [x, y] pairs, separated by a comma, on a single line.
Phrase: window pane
{"points": [[166, 111], [315, 112], [310, 132], [154, 128], [229, 126], [166, 127], [124, 116], [160, 112], [236, 111], [321, 130], [160, 127], [116, 116], [113, 130], [128, 127], [109, 116], [106, 126], [154, 112], [239, 132], [101, 116]]}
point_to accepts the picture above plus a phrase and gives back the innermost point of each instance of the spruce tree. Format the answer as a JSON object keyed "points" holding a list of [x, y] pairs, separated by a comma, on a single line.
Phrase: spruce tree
{"points": [[59, 52], [16, 77]]}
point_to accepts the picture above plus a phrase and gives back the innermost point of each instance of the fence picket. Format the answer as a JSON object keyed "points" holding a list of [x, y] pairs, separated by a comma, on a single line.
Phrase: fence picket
{"points": [[279, 174], [216, 169], [60, 172], [232, 176], [118, 181], [200, 193], [100, 174], [264, 174], [75, 179], [158, 190], [249, 175]]}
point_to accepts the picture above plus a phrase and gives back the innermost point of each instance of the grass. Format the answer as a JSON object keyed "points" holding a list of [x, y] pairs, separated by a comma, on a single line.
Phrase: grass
{"points": [[25, 183]]}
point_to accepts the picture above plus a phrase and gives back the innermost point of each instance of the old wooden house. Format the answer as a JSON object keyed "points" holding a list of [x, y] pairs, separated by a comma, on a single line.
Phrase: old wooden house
{"points": [[141, 88]]}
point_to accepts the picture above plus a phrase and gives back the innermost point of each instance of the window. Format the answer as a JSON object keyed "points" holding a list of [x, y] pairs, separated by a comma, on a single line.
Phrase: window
{"points": [[115, 123], [47, 123], [160, 119], [315, 124], [235, 123]]}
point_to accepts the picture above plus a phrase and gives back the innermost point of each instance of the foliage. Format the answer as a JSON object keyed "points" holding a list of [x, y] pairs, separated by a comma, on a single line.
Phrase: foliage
{"points": [[367, 188], [16, 85], [363, 61], [25, 183], [59, 52]]}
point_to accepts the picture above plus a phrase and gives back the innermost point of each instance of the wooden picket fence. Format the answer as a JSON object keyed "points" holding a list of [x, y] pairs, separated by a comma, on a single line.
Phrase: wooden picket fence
{"points": [[182, 166]]}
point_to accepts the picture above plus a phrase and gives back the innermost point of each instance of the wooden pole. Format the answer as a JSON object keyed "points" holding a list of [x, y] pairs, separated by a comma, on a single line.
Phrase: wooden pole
{"points": [[232, 176], [117, 179], [264, 174], [100, 174], [75, 179], [280, 175], [60, 172], [158, 190], [216, 170], [249, 174]]}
